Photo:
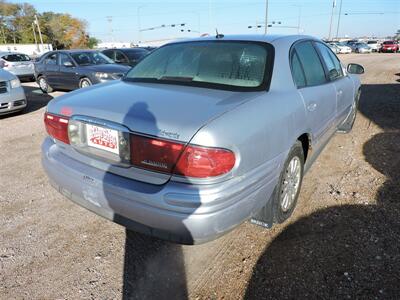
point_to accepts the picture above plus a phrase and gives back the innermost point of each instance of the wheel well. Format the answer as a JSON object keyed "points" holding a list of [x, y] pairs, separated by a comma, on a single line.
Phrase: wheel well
{"points": [[305, 142]]}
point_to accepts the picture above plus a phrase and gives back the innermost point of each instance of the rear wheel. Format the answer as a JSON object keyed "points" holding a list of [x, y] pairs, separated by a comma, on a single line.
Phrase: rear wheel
{"points": [[44, 85], [288, 189], [85, 82]]}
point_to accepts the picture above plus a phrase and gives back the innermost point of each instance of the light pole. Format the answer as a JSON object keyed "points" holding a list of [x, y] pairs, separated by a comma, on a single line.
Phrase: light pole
{"points": [[138, 19], [330, 25], [266, 16], [338, 21]]}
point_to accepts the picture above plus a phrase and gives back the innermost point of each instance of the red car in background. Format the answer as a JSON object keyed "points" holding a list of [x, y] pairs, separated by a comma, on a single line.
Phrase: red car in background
{"points": [[389, 46]]}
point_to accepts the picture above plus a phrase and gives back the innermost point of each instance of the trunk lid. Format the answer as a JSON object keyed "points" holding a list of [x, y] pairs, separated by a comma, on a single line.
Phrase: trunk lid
{"points": [[166, 111]]}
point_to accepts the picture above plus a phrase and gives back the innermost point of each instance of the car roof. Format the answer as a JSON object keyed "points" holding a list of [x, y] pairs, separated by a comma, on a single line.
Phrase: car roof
{"points": [[10, 52], [76, 50], [268, 38]]}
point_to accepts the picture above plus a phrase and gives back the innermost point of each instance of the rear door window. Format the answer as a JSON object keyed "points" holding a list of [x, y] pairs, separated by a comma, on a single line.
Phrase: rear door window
{"points": [[64, 58], [312, 66], [51, 59], [297, 71]]}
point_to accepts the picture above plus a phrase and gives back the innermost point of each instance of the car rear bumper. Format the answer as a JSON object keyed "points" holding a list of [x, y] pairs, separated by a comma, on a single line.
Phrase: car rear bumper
{"points": [[13, 100], [179, 212]]}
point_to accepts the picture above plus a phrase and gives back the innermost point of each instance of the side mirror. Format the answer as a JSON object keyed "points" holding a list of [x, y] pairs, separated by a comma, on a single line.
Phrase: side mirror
{"points": [[355, 69], [68, 64]]}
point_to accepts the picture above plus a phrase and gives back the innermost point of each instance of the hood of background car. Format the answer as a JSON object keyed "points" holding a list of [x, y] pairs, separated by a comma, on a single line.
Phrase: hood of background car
{"points": [[163, 110], [107, 68]]}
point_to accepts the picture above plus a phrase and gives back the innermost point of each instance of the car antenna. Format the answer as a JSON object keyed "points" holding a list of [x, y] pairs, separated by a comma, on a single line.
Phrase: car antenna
{"points": [[218, 36]]}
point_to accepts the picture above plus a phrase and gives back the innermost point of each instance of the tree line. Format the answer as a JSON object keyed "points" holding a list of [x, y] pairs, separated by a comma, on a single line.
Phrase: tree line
{"points": [[17, 25]]}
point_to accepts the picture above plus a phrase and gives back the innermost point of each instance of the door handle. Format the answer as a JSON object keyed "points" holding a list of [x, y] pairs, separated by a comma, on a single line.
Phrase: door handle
{"points": [[339, 92], [312, 106]]}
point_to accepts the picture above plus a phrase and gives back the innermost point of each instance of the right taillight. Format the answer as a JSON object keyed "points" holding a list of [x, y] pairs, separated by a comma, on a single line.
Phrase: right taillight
{"points": [[201, 162], [172, 157], [57, 127]]}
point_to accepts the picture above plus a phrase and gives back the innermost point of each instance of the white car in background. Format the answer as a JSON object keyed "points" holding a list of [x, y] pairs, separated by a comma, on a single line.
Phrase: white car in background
{"points": [[344, 49], [374, 45], [12, 95], [18, 64]]}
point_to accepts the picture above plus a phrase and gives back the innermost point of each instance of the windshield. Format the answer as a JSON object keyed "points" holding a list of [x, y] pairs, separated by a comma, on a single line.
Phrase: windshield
{"points": [[388, 43], [90, 58], [16, 57], [214, 64]]}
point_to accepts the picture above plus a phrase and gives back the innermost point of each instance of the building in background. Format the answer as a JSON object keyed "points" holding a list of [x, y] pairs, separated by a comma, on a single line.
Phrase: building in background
{"points": [[33, 50]]}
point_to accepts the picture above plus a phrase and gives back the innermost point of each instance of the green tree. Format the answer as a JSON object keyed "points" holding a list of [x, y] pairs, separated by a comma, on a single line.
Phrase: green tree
{"points": [[61, 30]]}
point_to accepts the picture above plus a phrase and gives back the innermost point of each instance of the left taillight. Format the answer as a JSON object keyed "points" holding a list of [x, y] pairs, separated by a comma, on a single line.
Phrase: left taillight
{"points": [[57, 127]]}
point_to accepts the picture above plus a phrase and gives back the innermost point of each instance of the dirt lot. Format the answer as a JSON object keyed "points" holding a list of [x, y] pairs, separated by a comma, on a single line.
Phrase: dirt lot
{"points": [[343, 241]]}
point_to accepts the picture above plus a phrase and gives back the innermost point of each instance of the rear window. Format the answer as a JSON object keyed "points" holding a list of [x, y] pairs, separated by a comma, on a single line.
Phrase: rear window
{"points": [[228, 65], [16, 57], [388, 43], [136, 54]]}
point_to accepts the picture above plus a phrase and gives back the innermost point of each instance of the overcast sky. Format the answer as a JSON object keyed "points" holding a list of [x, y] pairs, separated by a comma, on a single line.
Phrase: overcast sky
{"points": [[365, 17]]}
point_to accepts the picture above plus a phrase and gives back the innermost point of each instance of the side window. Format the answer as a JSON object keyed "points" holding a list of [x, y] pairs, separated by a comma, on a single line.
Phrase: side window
{"points": [[120, 57], [331, 62], [309, 59], [64, 58], [51, 59], [109, 54], [297, 70]]}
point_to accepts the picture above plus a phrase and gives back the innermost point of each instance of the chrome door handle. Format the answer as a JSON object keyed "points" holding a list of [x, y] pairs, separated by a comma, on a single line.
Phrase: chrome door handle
{"points": [[339, 93], [312, 106]]}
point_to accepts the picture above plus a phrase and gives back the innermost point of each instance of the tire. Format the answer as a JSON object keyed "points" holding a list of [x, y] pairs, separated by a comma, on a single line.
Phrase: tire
{"points": [[44, 85], [282, 206], [348, 123], [84, 82]]}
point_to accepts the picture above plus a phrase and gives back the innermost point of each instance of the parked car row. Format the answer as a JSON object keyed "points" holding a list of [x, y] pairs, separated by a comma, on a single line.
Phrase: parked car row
{"points": [[363, 47]]}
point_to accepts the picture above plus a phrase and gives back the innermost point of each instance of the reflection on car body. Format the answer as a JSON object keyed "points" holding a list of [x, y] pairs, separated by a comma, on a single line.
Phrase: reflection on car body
{"points": [[245, 112]]}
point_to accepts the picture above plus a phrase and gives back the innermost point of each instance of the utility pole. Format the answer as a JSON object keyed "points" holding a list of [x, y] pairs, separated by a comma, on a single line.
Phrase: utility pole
{"points": [[34, 35], [330, 25], [109, 19], [338, 21], [40, 33], [299, 21], [266, 16]]}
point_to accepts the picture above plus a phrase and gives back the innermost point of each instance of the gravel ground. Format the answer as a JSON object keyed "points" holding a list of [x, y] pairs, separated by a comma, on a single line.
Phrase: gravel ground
{"points": [[342, 242]]}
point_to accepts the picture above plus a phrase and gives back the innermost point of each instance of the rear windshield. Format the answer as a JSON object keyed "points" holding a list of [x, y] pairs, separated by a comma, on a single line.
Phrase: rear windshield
{"points": [[16, 57], [388, 43], [136, 54], [214, 64]]}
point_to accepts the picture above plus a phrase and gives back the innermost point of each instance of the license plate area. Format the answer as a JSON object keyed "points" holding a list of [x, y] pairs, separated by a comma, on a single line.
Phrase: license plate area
{"points": [[102, 139]]}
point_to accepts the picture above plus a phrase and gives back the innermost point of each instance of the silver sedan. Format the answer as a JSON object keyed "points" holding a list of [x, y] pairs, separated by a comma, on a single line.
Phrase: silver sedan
{"points": [[202, 134], [18, 64], [12, 95]]}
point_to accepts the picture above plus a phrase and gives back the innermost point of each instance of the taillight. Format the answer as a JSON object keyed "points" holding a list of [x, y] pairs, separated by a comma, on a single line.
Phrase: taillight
{"points": [[154, 154], [57, 127], [201, 162], [167, 157]]}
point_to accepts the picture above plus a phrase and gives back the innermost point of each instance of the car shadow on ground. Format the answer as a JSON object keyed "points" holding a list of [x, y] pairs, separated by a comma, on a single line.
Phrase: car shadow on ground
{"points": [[153, 268], [36, 98], [349, 251]]}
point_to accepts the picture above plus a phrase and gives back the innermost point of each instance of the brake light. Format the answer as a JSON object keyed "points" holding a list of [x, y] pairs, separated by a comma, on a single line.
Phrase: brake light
{"points": [[57, 127], [172, 157], [201, 162]]}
